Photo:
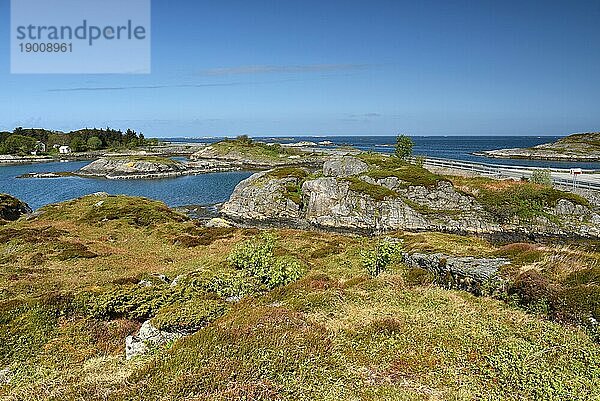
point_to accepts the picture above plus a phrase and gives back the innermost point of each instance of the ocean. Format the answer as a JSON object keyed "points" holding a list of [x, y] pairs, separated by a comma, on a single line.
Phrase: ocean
{"points": [[217, 187]]}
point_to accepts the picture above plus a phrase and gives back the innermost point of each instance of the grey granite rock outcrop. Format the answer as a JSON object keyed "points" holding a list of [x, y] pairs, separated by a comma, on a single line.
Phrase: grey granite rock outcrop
{"points": [[148, 336], [262, 198], [331, 202], [465, 273], [123, 168], [344, 166]]}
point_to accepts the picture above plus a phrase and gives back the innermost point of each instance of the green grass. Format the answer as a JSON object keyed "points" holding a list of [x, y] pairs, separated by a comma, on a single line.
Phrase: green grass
{"points": [[255, 150], [508, 199], [376, 192], [288, 172], [388, 166], [99, 209], [331, 334], [591, 139]]}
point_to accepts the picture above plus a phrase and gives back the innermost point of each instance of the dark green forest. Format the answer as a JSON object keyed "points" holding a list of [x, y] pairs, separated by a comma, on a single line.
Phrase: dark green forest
{"points": [[23, 141]]}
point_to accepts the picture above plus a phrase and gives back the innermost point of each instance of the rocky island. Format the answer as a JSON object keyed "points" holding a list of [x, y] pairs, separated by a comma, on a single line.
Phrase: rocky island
{"points": [[577, 147], [372, 193], [243, 152], [134, 167]]}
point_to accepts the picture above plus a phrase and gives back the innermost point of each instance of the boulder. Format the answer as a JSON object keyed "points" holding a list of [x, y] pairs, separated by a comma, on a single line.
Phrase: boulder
{"points": [[466, 273], [218, 222], [344, 166], [5, 376], [148, 336], [12, 208], [262, 198]]}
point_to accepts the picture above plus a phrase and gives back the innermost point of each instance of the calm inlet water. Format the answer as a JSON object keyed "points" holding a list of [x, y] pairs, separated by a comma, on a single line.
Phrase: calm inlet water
{"points": [[217, 187], [190, 190]]}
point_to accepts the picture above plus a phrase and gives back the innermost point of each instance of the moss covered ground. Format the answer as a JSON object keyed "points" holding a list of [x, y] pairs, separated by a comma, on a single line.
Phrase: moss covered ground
{"points": [[330, 332]]}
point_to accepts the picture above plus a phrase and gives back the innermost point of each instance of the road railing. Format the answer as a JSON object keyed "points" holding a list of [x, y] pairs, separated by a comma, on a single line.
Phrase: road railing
{"points": [[512, 171]]}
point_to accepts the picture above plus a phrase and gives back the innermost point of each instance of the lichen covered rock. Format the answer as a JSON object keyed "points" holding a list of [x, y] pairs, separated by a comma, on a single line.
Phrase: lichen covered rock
{"points": [[148, 336], [133, 167], [344, 166], [465, 273]]}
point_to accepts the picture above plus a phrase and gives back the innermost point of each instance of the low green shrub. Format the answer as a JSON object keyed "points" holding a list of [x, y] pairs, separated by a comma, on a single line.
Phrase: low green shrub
{"points": [[256, 256], [226, 284], [376, 260], [133, 302], [190, 315], [377, 192], [541, 177]]}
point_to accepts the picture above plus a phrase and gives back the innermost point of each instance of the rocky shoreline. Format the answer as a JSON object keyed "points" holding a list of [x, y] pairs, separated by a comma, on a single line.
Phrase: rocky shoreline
{"points": [[577, 147], [538, 154]]}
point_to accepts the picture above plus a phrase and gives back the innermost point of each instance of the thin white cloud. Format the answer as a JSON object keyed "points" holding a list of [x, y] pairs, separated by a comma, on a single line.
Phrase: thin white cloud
{"points": [[282, 69]]}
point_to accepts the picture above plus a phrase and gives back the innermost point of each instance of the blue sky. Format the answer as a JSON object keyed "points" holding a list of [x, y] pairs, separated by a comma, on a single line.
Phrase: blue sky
{"points": [[376, 67]]}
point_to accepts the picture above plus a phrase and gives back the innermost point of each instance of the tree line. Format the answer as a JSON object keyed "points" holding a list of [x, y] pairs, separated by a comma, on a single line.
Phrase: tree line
{"points": [[23, 141]]}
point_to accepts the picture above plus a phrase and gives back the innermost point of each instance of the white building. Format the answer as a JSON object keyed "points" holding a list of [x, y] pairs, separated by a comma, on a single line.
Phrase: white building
{"points": [[64, 150]]}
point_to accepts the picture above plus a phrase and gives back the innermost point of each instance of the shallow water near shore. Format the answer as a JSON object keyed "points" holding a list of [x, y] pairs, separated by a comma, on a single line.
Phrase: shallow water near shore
{"points": [[202, 189]]}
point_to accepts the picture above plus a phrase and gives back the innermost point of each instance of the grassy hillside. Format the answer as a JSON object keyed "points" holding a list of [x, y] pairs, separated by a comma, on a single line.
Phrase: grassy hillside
{"points": [[591, 140], [314, 325], [245, 148]]}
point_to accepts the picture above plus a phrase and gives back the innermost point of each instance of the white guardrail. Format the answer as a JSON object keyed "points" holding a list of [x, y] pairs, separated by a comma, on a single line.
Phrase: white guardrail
{"points": [[509, 171]]}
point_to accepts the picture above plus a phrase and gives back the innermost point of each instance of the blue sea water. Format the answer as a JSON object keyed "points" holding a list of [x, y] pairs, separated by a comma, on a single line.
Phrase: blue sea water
{"points": [[448, 147], [217, 187], [181, 191]]}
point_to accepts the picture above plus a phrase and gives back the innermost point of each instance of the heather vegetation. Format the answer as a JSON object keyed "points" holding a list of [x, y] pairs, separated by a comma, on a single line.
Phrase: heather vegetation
{"points": [[282, 314], [508, 199]]}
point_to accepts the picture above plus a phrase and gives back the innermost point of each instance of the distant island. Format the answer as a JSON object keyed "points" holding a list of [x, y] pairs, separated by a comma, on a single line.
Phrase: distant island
{"points": [[576, 147]]}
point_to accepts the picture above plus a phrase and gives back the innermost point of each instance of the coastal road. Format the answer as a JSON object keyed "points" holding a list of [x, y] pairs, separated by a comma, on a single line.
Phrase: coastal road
{"points": [[589, 179]]}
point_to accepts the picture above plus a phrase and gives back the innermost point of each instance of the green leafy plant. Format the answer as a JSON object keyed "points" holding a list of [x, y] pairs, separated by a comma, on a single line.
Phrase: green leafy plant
{"points": [[376, 260], [189, 315], [541, 177], [256, 256]]}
